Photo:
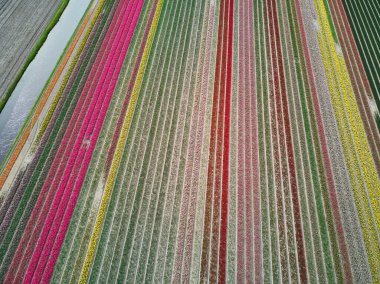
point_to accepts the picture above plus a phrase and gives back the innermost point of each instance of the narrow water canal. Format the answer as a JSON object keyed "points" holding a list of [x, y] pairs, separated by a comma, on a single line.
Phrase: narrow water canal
{"points": [[33, 80]]}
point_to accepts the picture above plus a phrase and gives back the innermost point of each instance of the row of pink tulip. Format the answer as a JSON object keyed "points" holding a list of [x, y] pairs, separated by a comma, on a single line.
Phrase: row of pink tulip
{"points": [[77, 124], [80, 168]]}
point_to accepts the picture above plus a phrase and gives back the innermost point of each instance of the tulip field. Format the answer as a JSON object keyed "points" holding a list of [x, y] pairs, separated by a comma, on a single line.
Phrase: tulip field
{"points": [[202, 141]]}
